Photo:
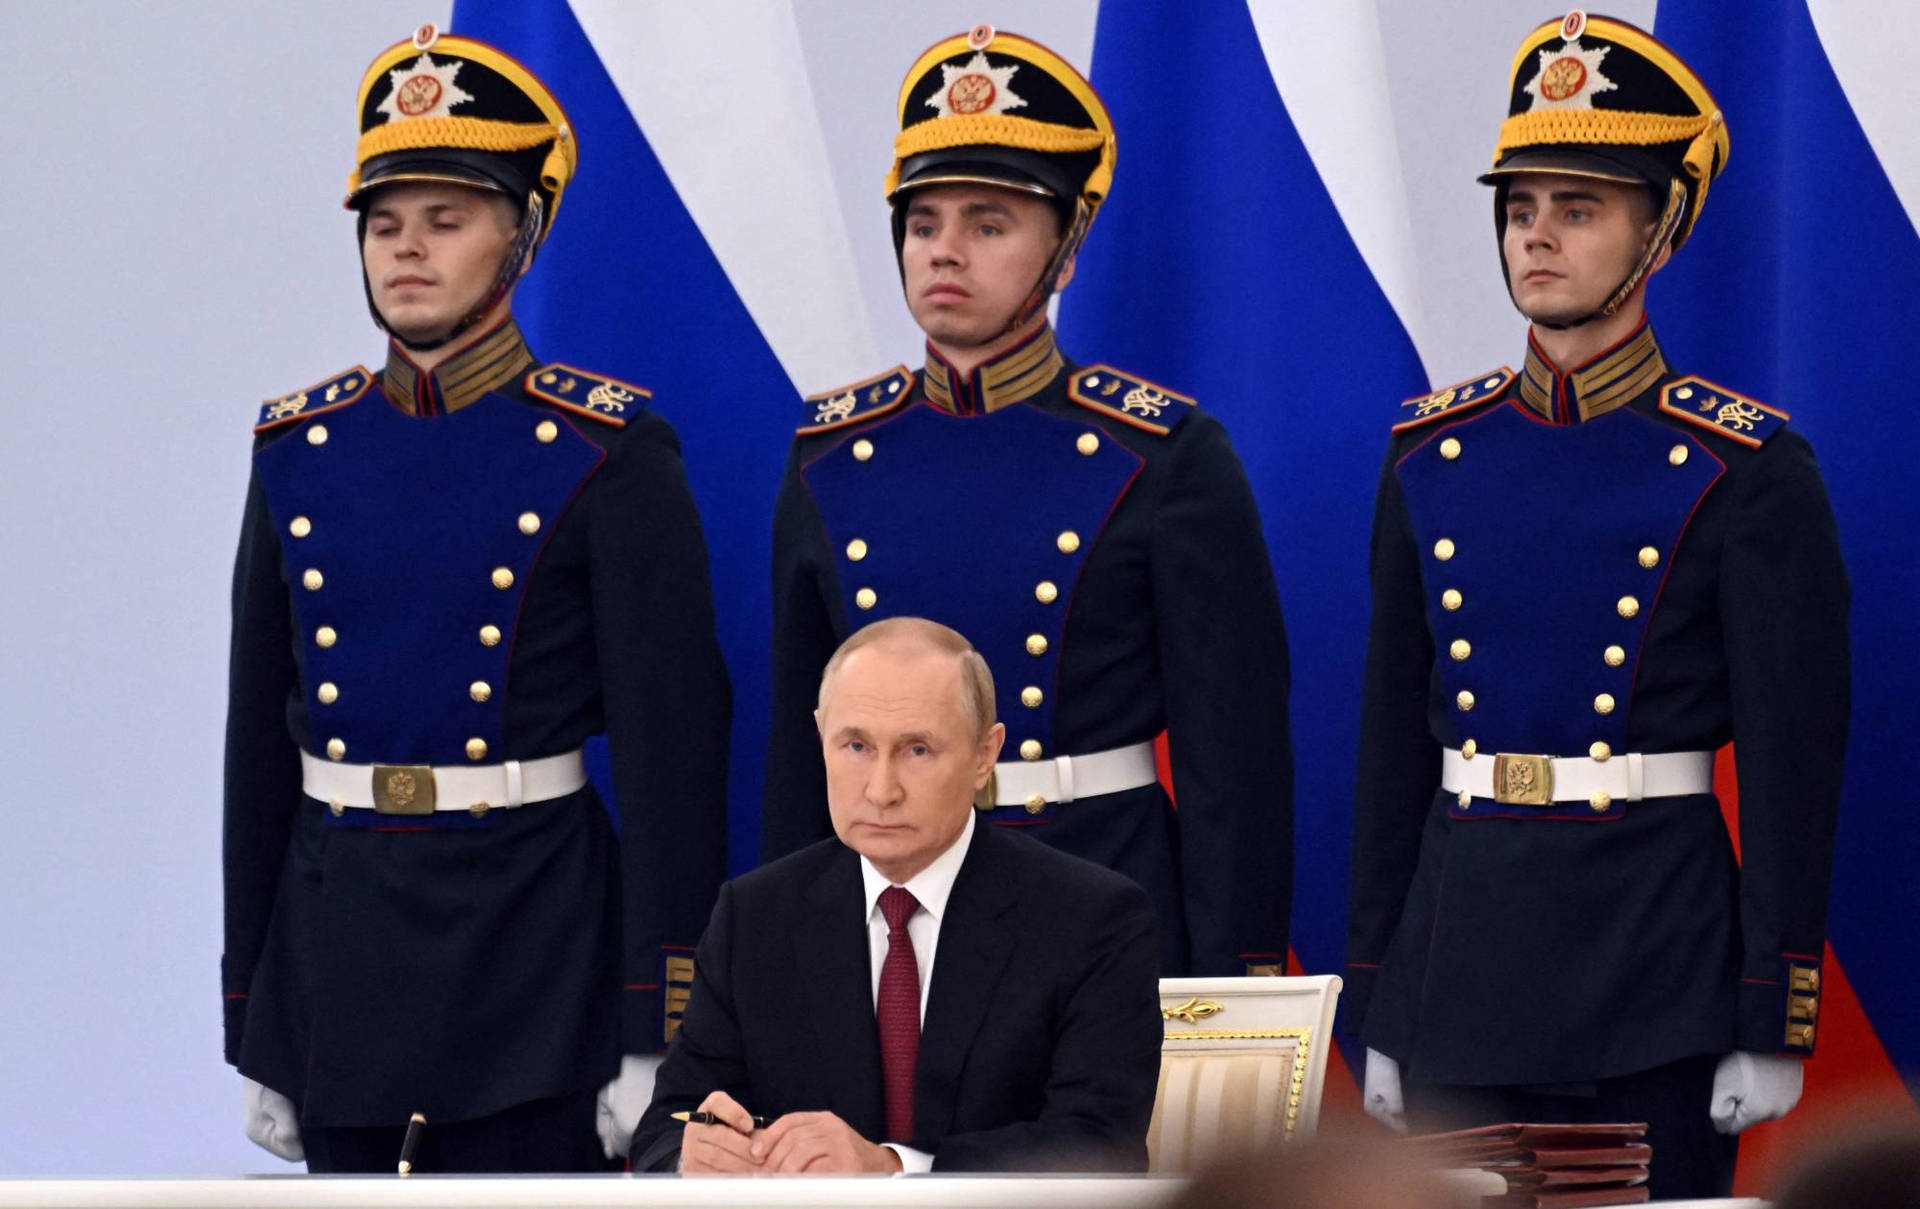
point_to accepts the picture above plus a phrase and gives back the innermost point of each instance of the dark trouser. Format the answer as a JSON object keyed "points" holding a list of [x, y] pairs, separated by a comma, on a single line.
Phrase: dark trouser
{"points": [[540, 1136], [1690, 1159]]}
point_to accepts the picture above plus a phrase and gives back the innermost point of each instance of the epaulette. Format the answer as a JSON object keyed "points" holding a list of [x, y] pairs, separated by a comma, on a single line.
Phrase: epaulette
{"points": [[324, 395], [1717, 409], [605, 399], [1128, 399], [862, 400], [1459, 396]]}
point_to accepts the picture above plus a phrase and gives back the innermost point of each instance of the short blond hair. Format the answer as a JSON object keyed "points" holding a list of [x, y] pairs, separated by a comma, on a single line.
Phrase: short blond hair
{"points": [[976, 679]]}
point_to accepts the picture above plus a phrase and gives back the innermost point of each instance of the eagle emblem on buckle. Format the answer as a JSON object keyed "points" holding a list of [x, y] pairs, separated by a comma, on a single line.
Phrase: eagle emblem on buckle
{"points": [[1522, 780], [402, 789]]}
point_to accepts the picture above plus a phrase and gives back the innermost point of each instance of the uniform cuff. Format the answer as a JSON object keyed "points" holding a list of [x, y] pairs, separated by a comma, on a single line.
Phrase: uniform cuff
{"points": [[1779, 1006], [650, 1012]]}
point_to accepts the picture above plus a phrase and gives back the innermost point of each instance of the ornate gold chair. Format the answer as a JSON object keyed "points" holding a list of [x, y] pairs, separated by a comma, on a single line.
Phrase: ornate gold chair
{"points": [[1242, 1065]]}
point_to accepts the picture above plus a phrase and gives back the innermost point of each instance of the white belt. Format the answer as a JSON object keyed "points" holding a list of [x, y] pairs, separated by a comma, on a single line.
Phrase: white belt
{"points": [[1034, 783], [424, 789], [1540, 780]]}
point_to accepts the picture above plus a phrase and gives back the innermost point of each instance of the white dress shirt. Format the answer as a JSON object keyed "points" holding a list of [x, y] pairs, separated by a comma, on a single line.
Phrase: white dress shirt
{"points": [[931, 888]]}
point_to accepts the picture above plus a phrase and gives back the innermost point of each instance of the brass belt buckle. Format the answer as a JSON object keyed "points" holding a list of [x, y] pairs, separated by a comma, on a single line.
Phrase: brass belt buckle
{"points": [[402, 789], [1522, 780]]}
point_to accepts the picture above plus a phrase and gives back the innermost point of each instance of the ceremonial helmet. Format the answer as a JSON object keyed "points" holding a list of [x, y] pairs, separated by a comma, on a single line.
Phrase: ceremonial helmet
{"points": [[1595, 97], [993, 108], [437, 107]]}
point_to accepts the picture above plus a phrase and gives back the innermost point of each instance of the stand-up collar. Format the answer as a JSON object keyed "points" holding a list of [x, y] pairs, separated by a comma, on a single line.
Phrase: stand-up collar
{"points": [[1595, 388], [1019, 373], [491, 361]]}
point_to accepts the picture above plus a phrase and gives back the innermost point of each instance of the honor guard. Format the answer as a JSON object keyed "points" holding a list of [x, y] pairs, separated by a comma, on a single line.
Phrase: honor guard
{"points": [[1588, 577], [452, 572], [1090, 531]]}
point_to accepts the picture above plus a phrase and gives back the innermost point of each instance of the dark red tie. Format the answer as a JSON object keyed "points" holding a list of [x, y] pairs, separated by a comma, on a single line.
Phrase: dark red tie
{"points": [[898, 1013]]}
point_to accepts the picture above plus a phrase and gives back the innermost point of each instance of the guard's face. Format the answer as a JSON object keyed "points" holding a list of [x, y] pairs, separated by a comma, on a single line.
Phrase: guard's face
{"points": [[431, 253], [971, 256], [1570, 241], [902, 758]]}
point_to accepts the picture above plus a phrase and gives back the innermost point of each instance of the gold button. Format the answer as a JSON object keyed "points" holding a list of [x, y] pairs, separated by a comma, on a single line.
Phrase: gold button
{"points": [[1469, 749], [1031, 697], [866, 598], [1600, 802], [337, 806], [476, 749], [312, 580], [1068, 541], [1464, 699], [862, 450], [545, 431], [480, 690], [336, 749], [1629, 606], [1465, 799], [1685, 392], [1035, 803], [1450, 599], [1450, 449], [479, 809], [317, 435], [324, 637], [1677, 455], [1600, 752], [1649, 557], [299, 526], [1088, 444], [1460, 649], [529, 523], [1045, 592], [1030, 749], [1443, 549], [1615, 656], [856, 549], [1036, 644], [328, 692], [489, 635], [502, 578], [1603, 704]]}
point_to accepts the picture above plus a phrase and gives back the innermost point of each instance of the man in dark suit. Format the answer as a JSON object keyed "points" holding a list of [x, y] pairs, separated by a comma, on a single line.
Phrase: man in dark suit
{"points": [[816, 1004]]}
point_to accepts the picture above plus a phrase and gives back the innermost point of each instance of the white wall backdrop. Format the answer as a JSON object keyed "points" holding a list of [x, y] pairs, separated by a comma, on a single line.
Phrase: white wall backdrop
{"points": [[174, 250]]}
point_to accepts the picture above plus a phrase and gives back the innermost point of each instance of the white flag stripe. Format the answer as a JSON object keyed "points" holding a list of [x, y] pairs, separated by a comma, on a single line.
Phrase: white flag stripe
{"points": [[721, 92], [1328, 63], [1870, 46]]}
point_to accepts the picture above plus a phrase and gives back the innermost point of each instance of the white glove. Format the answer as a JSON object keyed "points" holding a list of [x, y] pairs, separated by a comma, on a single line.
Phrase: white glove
{"points": [[1382, 1092], [624, 1100], [272, 1122], [1750, 1088]]}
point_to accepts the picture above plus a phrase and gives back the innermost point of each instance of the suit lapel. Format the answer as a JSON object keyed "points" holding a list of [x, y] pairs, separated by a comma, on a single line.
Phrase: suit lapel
{"points": [[830, 948], [975, 943]]}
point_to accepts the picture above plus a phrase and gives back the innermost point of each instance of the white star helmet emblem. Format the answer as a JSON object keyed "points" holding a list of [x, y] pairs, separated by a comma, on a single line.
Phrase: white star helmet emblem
{"points": [[975, 87], [423, 89], [1568, 78]]}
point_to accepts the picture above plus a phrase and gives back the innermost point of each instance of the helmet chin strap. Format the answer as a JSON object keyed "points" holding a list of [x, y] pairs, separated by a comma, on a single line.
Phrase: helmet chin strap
{"points": [[514, 266], [1042, 292], [1662, 232]]}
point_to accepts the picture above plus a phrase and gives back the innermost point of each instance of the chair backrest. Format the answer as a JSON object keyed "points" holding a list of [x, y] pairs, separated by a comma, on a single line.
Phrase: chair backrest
{"points": [[1242, 1066]]}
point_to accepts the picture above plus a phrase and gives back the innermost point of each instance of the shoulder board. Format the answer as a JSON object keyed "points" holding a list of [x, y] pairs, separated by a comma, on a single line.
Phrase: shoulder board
{"points": [[1717, 409], [857, 401], [1458, 397], [324, 395], [1128, 399], [605, 399]]}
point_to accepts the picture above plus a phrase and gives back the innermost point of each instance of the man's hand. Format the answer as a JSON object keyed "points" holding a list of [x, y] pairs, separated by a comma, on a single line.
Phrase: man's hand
{"points": [[819, 1143], [623, 1101], [1382, 1092], [1751, 1088], [272, 1122], [721, 1149]]}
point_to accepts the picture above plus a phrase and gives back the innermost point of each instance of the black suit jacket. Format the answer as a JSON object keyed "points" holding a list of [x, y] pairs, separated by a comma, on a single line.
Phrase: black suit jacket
{"points": [[1041, 1042]]}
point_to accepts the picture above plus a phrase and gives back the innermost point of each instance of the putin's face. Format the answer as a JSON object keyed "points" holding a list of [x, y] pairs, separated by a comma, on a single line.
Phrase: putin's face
{"points": [[902, 757]]}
